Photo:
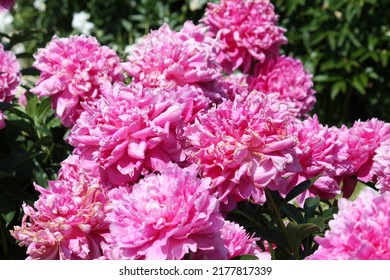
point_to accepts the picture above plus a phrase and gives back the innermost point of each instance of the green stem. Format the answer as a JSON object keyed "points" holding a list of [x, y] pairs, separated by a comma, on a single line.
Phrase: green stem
{"points": [[273, 207]]}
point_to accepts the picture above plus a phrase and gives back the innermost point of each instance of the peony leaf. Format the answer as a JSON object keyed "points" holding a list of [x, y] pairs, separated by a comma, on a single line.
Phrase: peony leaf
{"points": [[298, 232], [311, 204], [293, 212], [300, 188]]}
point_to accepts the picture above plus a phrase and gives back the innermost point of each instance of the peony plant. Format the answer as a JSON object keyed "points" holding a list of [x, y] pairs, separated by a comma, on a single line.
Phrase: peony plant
{"points": [[200, 144]]}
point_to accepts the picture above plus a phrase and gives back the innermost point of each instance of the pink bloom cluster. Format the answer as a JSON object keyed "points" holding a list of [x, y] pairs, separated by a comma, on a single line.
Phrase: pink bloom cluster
{"points": [[286, 76], [321, 154], [381, 166], [157, 161], [360, 231], [244, 147], [165, 216], [247, 31], [72, 71], [172, 60], [362, 140], [67, 222], [132, 130]]}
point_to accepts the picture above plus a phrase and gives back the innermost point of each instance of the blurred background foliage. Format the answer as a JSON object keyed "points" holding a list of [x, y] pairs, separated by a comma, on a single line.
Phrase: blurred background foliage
{"points": [[343, 43], [346, 46]]}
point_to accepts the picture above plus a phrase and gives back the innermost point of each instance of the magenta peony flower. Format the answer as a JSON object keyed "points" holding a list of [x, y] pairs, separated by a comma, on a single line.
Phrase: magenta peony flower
{"points": [[320, 153], [363, 138], [72, 71], [381, 166], [132, 130], [239, 243], [9, 74], [360, 231], [286, 76], [171, 60], [244, 147], [67, 222], [6, 5], [165, 217], [247, 31]]}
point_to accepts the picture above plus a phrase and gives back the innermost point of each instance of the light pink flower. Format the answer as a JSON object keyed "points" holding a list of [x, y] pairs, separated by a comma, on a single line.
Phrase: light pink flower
{"points": [[381, 166], [360, 230], [286, 76], [244, 147], [247, 30], [171, 60], [363, 138], [320, 153], [6, 5], [67, 222], [72, 71], [3, 117], [132, 130], [165, 217], [239, 242], [9, 75]]}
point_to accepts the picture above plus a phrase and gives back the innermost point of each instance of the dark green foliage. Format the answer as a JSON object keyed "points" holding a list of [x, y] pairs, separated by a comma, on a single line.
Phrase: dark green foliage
{"points": [[31, 147], [345, 44]]}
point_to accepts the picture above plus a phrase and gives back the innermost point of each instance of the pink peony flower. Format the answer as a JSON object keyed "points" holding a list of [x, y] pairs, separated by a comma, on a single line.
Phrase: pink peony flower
{"points": [[236, 86], [165, 217], [75, 169], [171, 60], [321, 154], [133, 130], [244, 147], [362, 139], [3, 117], [6, 5], [381, 166], [9, 75], [239, 242], [286, 76], [247, 31], [72, 71], [360, 231], [67, 222]]}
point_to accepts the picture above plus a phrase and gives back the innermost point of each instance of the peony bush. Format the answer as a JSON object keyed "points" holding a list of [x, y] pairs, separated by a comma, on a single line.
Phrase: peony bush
{"points": [[200, 144]]}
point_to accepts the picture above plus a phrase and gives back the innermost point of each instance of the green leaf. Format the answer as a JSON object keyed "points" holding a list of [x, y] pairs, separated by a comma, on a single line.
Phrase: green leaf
{"points": [[384, 57], [297, 190], [293, 212], [299, 232], [7, 209], [340, 86], [356, 83], [319, 221], [329, 213], [311, 204]]}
